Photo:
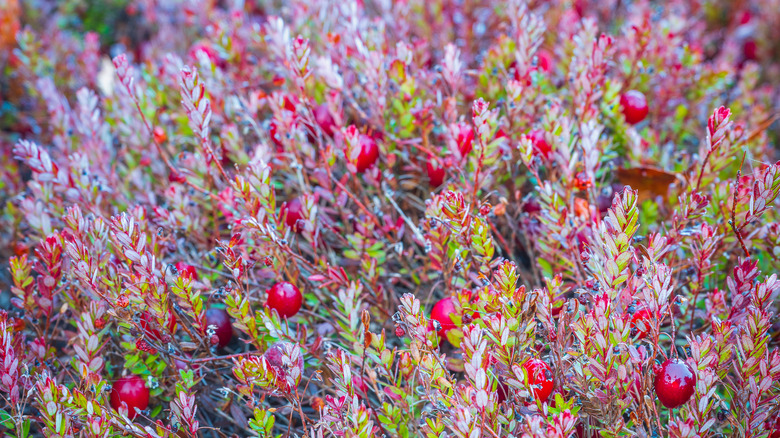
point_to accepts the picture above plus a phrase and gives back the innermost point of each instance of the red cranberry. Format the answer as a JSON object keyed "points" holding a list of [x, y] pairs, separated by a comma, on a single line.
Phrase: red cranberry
{"points": [[187, 270], [502, 391], [176, 177], [531, 207], [674, 383], [325, 119], [369, 153], [219, 318], [148, 323], [292, 212], [159, 135], [442, 312], [465, 138], [634, 106], [435, 172], [131, 391], [774, 428], [540, 145], [540, 376], [640, 320], [750, 50], [286, 298]]}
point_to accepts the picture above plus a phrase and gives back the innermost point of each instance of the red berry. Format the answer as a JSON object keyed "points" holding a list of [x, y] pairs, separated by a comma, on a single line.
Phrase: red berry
{"points": [[674, 383], [540, 377], [750, 50], [442, 312], [582, 182], [634, 106], [501, 392], [142, 345], [176, 177], [325, 119], [369, 153], [465, 138], [219, 318], [774, 429], [187, 270], [159, 135], [641, 321], [122, 301], [292, 212], [531, 207], [148, 324], [400, 332], [286, 298], [435, 172], [131, 391]]}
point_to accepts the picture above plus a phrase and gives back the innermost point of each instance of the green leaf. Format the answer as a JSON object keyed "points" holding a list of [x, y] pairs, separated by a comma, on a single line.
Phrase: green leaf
{"points": [[6, 419]]}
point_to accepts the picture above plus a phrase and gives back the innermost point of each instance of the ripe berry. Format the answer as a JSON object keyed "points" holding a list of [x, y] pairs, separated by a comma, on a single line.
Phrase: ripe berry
{"points": [[286, 298], [435, 172], [442, 312], [292, 212], [187, 270], [634, 106], [774, 429], [531, 207], [540, 377], [219, 318], [369, 153], [464, 138], [501, 392], [142, 345], [159, 135], [640, 321], [674, 383], [148, 324], [131, 391], [750, 50], [325, 119]]}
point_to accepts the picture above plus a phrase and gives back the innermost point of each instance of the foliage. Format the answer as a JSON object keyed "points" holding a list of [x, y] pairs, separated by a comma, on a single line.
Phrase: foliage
{"points": [[149, 172]]}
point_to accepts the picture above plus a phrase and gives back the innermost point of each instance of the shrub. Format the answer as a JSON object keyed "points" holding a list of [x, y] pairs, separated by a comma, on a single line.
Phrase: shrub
{"points": [[584, 191]]}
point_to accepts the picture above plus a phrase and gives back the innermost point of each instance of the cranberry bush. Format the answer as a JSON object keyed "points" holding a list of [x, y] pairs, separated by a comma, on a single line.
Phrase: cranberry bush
{"points": [[413, 218]]}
